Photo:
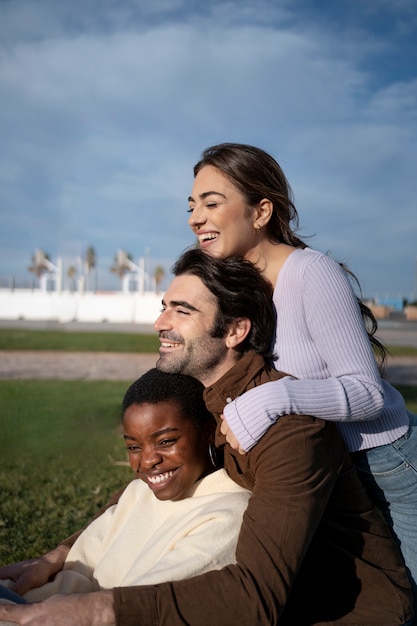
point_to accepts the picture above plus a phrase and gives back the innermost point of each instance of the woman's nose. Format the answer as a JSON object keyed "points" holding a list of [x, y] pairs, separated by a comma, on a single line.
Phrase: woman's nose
{"points": [[197, 218], [148, 459]]}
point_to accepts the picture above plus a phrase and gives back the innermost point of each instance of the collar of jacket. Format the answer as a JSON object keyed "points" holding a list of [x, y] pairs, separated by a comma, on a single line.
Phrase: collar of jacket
{"points": [[251, 370]]}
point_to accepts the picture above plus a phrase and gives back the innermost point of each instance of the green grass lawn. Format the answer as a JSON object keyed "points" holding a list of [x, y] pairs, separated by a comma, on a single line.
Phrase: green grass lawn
{"points": [[402, 350], [23, 339], [58, 444]]}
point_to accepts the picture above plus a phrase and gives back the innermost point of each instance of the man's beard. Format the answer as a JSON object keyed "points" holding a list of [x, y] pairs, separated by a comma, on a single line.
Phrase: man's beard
{"points": [[199, 357]]}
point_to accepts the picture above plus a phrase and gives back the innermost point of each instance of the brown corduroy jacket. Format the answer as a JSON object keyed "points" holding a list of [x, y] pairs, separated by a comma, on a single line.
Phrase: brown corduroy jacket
{"points": [[312, 548]]}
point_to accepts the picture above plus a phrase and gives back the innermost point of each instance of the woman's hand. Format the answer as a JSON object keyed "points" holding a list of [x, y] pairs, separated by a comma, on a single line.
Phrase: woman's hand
{"points": [[34, 572], [230, 438]]}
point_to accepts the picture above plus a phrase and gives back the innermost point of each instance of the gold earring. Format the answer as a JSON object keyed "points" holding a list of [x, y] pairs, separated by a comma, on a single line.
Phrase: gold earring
{"points": [[257, 228]]}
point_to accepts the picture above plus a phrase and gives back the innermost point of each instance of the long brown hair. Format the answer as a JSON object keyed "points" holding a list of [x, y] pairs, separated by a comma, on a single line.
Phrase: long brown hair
{"points": [[257, 175]]}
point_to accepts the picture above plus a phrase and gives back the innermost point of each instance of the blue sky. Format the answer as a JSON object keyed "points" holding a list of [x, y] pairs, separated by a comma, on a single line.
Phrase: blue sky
{"points": [[107, 104]]}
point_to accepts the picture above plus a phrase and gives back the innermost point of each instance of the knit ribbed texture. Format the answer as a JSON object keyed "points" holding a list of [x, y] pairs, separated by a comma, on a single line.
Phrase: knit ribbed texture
{"points": [[322, 343]]}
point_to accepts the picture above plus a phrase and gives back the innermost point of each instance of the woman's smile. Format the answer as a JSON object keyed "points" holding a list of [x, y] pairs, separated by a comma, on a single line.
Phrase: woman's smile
{"points": [[205, 239], [157, 480], [165, 449], [219, 215]]}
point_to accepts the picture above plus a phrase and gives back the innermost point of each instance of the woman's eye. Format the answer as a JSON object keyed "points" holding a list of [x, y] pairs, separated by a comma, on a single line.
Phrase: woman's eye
{"points": [[190, 209], [167, 442]]}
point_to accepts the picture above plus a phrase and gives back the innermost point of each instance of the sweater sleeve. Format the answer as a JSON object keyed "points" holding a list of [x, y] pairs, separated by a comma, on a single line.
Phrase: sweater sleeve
{"points": [[347, 387]]}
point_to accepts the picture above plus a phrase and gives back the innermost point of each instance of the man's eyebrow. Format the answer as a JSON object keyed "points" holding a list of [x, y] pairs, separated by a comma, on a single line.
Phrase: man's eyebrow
{"points": [[183, 303], [205, 194]]}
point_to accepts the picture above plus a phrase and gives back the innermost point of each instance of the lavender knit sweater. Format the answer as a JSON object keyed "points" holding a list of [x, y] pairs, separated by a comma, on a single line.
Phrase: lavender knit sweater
{"points": [[321, 342]]}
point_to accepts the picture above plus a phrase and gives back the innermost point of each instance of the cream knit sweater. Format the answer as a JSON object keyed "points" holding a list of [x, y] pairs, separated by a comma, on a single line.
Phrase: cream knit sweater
{"points": [[143, 540]]}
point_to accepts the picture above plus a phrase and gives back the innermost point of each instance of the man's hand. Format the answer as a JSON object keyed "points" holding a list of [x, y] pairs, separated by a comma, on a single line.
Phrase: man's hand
{"points": [[34, 572], [230, 438], [86, 609]]}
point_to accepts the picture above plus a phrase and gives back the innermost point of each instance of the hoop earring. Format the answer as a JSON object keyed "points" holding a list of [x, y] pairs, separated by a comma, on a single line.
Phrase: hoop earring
{"points": [[213, 455]]}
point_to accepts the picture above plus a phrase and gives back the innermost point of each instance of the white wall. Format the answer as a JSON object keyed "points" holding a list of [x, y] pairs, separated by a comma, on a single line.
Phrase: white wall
{"points": [[87, 307]]}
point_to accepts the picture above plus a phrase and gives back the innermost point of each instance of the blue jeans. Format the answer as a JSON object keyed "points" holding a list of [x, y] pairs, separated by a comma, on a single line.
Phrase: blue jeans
{"points": [[389, 474], [10, 595]]}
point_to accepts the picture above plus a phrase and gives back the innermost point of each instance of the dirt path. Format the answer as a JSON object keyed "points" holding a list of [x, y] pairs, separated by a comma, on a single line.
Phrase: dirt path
{"points": [[75, 365], [128, 366]]}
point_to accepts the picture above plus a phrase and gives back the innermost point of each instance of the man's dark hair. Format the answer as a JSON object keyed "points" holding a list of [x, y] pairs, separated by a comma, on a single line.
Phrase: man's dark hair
{"points": [[240, 291], [156, 386]]}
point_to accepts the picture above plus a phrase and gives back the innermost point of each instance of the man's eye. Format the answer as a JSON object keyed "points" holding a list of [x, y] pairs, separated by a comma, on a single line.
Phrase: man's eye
{"points": [[167, 442], [190, 209], [133, 448]]}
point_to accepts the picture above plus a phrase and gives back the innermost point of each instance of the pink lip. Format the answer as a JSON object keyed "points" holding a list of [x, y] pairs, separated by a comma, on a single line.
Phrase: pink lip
{"points": [[207, 242]]}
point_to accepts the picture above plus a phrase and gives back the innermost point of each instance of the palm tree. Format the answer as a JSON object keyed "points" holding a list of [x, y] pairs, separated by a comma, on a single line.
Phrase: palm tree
{"points": [[40, 263], [158, 276], [122, 264], [71, 273], [90, 261]]}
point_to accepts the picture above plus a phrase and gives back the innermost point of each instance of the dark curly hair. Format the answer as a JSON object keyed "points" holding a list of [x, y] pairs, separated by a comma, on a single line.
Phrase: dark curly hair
{"points": [[156, 386]]}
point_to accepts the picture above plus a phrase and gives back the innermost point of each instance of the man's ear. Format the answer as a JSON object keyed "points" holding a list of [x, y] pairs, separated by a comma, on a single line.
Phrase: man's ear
{"points": [[238, 331]]}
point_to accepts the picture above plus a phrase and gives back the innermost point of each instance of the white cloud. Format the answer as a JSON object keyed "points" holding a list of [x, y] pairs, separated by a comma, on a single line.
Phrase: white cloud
{"points": [[105, 111]]}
